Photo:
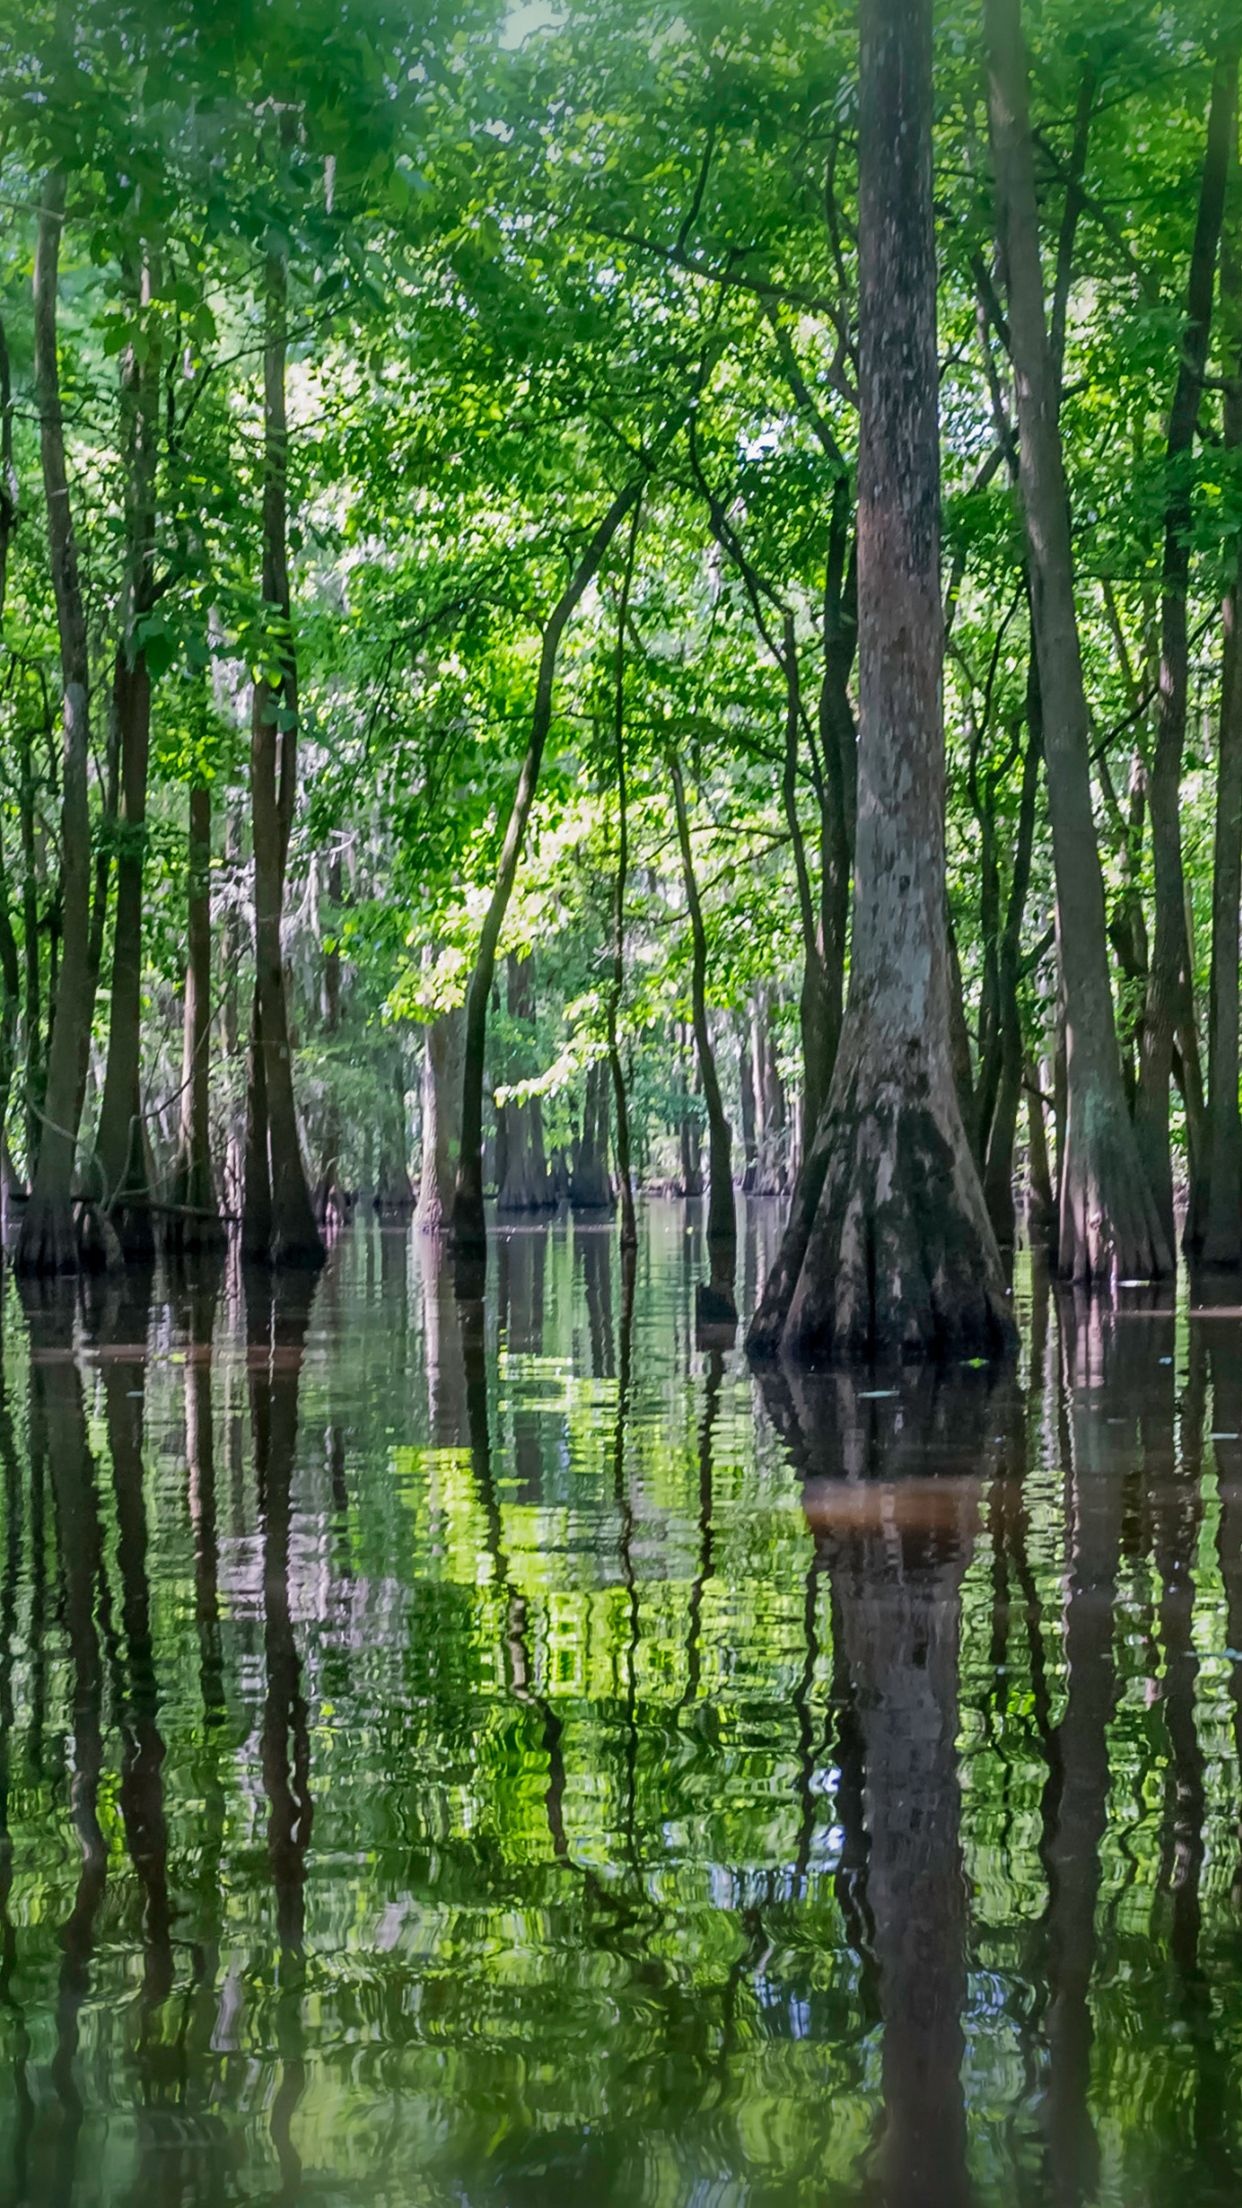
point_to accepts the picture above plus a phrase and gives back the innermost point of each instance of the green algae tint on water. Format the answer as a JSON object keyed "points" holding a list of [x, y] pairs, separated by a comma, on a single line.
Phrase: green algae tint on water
{"points": [[497, 1751]]}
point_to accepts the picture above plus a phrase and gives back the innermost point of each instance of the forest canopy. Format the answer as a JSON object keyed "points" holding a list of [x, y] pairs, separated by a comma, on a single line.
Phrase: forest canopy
{"points": [[431, 524]]}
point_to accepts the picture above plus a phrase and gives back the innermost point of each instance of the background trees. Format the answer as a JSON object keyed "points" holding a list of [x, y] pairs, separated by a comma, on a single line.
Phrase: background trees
{"points": [[562, 314]]}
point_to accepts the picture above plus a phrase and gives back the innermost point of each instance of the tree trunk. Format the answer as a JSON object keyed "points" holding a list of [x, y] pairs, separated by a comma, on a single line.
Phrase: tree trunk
{"points": [[721, 1214], [1217, 1200], [522, 1183], [1109, 1224], [1169, 1009], [193, 1182], [120, 1146], [469, 1231], [48, 1242], [620, 1100], [330, 1205], [746, 1093], [440, 1133], [10, 965], [889, 1251], [1003, 1127], [31, 979], [591, 1186], [279, 1221], [1042, 1205]]}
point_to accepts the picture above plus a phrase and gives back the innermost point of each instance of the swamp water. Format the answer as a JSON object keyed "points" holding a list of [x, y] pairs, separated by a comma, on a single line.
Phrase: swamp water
{"points": [[500, 1753]]}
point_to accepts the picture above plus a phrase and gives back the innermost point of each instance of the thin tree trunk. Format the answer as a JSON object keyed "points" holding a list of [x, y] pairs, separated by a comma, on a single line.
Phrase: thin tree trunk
{"points": [[48, 1242], [330, 1204], [1002, 1132], [616, 991], [746, 1094], [522, 1184], [32, 1014], [10, 966], [721, 1211], [279, 1224], [120, 1146], [469, 1232], [441, 1107], [1169, 1010], [193, 1182], [1217, 1201], [889, 1250], [1109, 1224]]}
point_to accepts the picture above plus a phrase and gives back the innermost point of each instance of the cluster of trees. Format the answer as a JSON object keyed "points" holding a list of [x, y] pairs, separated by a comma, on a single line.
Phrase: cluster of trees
{"points": [[545, 553]]}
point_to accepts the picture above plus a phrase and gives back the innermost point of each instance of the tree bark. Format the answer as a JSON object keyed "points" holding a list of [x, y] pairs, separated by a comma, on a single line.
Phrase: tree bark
{"points": [[1169, 1009], [440, 1131], [1217, 1201], [279, 1224], [193, 1181], [10, 965], [523, 1183], [330, 1204], [889, 1251], [721, 1211], [48, 1242], [620, 882], [468, 1225], [120, 1146], [1109, 1224], [590, 1188]]}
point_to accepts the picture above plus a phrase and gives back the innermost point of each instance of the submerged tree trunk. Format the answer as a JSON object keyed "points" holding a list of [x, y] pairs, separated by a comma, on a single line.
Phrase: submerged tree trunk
{"points": [[120, 1144], [468, 1217], [441, 1122], [1109, 1224], [1169, 1009], [48, 1242], [193, 1187], [279, 1221], [889, 1250], [1217, 1200]]}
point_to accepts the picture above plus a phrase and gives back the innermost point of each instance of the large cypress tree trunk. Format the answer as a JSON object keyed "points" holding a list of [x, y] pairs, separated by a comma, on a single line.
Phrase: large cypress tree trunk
{"points": [[1169, 1010], [198, 1226], [48, 1242], [1109, 1224], [279, 1221], [889, 1250], [1217, 1199], [120, 1145]]}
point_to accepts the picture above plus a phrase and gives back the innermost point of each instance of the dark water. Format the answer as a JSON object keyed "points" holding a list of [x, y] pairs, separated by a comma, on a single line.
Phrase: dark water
{"points": [[457, 1753]]}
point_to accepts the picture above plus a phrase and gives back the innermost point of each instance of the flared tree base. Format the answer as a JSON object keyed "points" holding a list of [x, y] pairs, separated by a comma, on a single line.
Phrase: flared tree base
{"points": [[1110, 1227], [889, 1255], [60, 1236]]}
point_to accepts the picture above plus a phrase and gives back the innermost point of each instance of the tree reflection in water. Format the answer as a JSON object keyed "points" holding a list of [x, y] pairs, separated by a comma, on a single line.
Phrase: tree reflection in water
{"points": [[467, 1741]]}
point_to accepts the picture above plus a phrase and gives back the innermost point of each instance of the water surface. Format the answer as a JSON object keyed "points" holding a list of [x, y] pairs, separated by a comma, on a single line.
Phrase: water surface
{"points": [[495, 1751]]}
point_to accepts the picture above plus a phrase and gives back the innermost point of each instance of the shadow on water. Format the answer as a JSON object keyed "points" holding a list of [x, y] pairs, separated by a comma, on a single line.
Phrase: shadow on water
{"points": [[472, 1742]]}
